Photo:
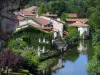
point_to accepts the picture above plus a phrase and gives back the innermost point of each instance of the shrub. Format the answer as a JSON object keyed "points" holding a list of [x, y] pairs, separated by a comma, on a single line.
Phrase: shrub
{"points": [[73, 35], [93, 66], [64, 16], [17, 44]]}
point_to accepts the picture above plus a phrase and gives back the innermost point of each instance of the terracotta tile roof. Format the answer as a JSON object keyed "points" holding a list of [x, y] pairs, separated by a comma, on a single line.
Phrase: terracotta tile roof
{"points": [[19, 17], [47, 29], [73, 15], [82, 20], [28, 11], [30, 8], [25, 13], [78, 23], [44, 21]]}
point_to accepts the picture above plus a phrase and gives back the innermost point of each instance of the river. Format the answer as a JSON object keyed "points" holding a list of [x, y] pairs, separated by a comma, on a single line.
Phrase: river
{"points": [[71, 62]]}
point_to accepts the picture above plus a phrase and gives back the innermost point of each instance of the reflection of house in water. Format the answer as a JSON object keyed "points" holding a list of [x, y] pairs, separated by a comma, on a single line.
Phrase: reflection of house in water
{"points": [[82, 48], [60, 45], [52, 68], [59, 65]]}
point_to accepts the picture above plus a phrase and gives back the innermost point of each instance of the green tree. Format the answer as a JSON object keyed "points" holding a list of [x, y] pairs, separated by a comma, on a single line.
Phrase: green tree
{"points": [[9, 60], [73, 35], [64, 16], [65, 27], [42, 9]]}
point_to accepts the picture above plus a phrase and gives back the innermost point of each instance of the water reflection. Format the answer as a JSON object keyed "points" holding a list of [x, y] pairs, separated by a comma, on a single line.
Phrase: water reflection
{"points": [[72, 62], [82, 46]]}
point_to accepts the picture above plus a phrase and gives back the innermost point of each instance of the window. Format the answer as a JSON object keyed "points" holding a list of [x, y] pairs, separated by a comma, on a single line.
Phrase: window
{"points": [[41, 48], [19, 39], [41, 39]]}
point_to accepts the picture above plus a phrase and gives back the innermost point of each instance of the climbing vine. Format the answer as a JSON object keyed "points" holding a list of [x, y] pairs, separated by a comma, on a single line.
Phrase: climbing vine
{"points": [[31, 36]]}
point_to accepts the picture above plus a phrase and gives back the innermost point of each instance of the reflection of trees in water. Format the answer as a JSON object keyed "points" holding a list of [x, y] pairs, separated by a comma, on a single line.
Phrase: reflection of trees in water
{"points": [[47, 65], [71, 55], [86, 48], [90, 49]]}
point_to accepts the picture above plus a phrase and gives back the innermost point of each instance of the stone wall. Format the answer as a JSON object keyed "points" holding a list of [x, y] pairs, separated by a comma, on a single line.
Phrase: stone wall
{"points": [[7, 7]]}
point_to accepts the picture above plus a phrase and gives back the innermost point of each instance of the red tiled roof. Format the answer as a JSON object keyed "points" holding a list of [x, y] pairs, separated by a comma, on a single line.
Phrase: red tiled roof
{"points": [[78, 23], [47, 29], [19, 17], [30, 8], [28, 11], [44, 21], [25, 13], [82, 20], [73, 15]]}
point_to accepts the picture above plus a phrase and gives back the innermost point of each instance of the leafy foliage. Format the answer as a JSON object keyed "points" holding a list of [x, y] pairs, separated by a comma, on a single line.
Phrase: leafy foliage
{"points": [[29, 58], [17, 44], [8, 59], [65, 27], [42, 9], [64, 16], [30, 37], [73, 35], [93, 66]]}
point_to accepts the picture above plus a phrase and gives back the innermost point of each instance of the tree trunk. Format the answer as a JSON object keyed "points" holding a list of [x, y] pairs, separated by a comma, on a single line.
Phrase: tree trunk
{"points": [[7, 70]]}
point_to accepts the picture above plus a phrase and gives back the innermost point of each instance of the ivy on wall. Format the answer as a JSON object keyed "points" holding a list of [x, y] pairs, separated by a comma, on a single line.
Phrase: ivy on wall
{"points": [[31, 36]]}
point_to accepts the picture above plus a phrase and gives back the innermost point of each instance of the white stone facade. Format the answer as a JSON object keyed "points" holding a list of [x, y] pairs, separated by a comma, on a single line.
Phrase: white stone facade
{"points": [[24, 22], [56, 25], [83, 30]]}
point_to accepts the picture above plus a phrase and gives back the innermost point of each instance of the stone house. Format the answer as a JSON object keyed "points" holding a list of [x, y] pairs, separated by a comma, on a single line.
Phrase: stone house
{"points": [[81, 23], [39, 40], [26, 16]]}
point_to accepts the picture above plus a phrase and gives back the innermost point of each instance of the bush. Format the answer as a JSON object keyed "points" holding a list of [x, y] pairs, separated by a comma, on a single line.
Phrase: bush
{"points": [[64, 16], [65, 27], [93, 66], [17, 44], [73, 35], [29, 58]]}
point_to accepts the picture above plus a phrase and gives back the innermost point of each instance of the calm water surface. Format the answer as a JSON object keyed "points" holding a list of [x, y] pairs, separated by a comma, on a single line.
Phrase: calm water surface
{"points": [[72, 62]]}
